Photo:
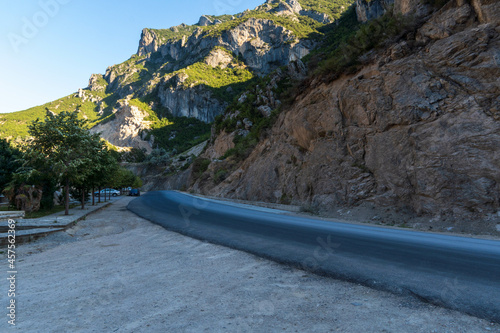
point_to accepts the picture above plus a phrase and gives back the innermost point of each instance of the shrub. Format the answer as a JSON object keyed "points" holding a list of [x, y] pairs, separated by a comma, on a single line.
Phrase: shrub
{"points": [[200, 165], [220, 176], [372, 35]]}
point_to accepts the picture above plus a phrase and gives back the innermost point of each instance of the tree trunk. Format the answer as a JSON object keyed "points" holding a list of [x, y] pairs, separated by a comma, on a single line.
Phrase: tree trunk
{"points": [[83, 198], [99, 197], [66, 203], [93, 196]]}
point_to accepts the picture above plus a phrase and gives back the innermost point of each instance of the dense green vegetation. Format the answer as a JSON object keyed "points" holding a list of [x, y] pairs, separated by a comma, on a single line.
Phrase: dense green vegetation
{"points": [[173, 134], [334, 9], [61, 152], [173, 34], [179, 134], [9, 162], [247, 109], [377, 33], [334, 36], [15, 125], [217, 79]]}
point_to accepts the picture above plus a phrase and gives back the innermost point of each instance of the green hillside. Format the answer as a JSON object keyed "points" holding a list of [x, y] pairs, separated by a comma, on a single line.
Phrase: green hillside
{"points": [[139, 76]]}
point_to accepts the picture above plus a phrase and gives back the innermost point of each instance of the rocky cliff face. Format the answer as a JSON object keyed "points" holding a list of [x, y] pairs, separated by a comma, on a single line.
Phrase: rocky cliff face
{"points": [[369, 10], [196, 102], [170, 69], [263, 44], [123, 131], [418, 128]]}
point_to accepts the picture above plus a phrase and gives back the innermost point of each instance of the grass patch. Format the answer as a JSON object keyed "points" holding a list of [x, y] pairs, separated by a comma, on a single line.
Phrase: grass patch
{"points": [[305, 28], [218, 79], [173, 34], [334, 9]]}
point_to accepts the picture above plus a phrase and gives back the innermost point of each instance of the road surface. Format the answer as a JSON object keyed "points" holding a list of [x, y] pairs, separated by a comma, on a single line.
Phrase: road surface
{"points": [[455, 272], [116, 272]]}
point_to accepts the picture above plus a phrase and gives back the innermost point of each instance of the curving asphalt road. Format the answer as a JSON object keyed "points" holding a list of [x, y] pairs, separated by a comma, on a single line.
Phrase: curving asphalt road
{"points": [[456, 272]]}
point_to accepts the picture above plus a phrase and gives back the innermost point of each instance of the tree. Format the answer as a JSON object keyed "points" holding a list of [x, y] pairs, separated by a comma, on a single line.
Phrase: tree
{"points": [[63, 143], [101, 170], [126, 178], [9, 162]]}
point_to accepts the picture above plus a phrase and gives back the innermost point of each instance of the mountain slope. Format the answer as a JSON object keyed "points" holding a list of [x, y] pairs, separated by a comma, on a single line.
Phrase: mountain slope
{"points": [[193, 71], [413, 125]]}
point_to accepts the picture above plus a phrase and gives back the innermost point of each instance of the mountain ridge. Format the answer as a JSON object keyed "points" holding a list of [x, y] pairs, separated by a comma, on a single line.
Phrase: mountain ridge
{"points": [[259, 40]]}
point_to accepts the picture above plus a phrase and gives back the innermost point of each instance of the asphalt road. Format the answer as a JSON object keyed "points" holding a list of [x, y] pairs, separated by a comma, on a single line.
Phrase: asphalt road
{"points": [[455, 272]]}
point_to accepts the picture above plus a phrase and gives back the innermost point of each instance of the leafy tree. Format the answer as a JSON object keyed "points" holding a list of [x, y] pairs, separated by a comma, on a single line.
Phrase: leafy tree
{"points": [[63, 144], [9, 162]]}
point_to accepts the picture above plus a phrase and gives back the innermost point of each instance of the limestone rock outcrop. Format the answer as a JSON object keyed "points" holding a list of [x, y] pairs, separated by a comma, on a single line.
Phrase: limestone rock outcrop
{"points": [[368, 10], [204, 21], [262, 44], [218, 57], [195, 102], [149, 42], [124, 130]]}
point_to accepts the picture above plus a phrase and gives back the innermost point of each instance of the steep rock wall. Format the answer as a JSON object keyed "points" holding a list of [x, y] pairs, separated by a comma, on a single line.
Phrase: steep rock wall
{"points": [[419, 129], [196, 102], [263, 45], [368, 10]]}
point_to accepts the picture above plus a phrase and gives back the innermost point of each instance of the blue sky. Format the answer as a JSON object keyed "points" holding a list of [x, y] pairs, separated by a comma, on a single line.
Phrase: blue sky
{"points": [[49, 48]]}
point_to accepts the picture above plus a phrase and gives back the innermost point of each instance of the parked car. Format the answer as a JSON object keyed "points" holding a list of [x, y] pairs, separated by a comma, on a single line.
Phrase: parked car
{"points": [[107, 192], [134, 192]]}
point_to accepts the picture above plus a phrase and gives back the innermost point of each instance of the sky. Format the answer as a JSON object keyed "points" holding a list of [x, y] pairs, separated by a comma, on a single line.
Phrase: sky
{"points": [[49, 48]]}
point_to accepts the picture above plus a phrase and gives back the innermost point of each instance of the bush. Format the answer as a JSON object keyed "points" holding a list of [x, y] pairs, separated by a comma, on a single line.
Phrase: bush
{"points": [[220, 176], [200, 165], [135, 155], [158, 156], [374, 34]]}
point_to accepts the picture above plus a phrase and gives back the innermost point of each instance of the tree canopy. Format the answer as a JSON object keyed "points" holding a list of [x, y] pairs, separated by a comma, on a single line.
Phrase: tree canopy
{"points": [[9, 162], [63, 145]]}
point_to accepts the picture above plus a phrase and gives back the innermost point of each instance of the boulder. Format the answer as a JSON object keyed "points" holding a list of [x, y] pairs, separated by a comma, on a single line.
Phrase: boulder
{"points": [[204, 21]]}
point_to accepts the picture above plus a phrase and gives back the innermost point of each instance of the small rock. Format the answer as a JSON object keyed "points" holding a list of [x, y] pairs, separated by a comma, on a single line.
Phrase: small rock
{"points": [[357, 304], [243, 133], [242, 98], [265, 110], [248, 123]]}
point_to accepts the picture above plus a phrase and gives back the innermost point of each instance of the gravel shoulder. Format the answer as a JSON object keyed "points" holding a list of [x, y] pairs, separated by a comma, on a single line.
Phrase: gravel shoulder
{"points": [[116, 272]]}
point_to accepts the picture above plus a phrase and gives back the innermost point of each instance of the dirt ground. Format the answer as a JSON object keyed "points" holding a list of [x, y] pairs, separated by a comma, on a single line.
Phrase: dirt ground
{"points": [[116, 272], [487, 226]]}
